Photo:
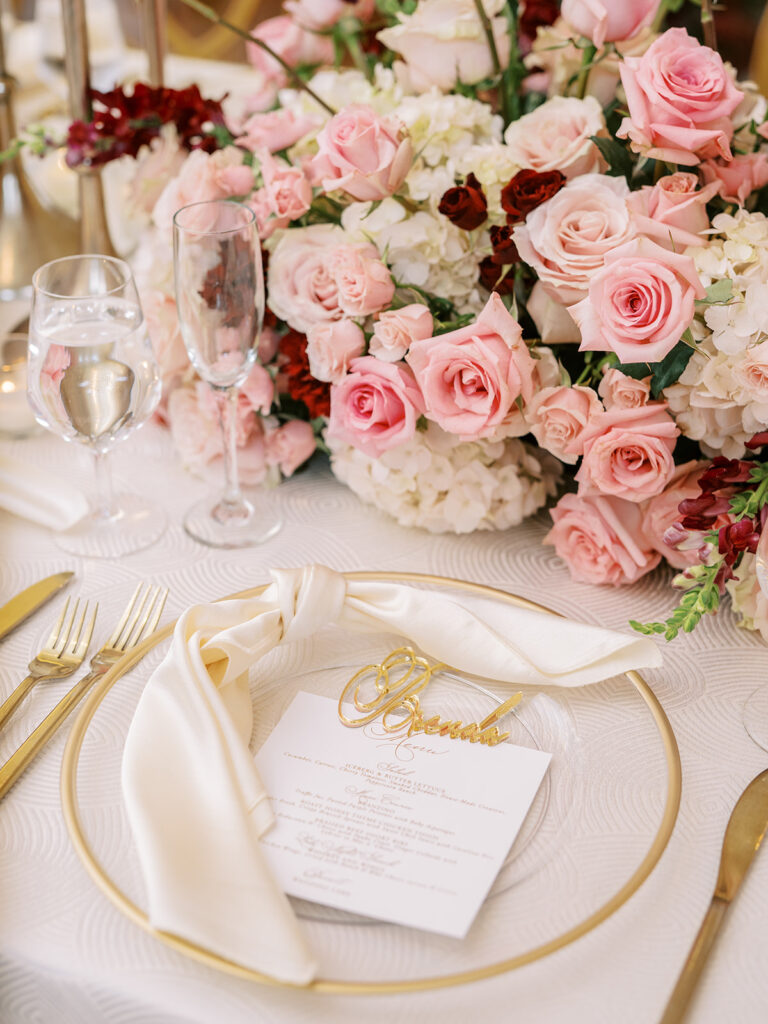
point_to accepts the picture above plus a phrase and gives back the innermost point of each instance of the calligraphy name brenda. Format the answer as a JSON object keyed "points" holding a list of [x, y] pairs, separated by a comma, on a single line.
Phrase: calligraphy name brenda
{"points": [[397, 681]]}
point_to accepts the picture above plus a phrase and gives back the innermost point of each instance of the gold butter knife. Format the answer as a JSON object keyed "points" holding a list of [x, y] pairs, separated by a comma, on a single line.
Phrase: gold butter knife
{"points": [[20, 607], [745, 831]]}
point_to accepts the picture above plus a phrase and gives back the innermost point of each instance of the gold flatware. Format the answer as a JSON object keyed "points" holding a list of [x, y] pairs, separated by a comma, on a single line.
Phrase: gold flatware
{"points": [[140, 618], [745, 831], [20, 607], [63, 652]]}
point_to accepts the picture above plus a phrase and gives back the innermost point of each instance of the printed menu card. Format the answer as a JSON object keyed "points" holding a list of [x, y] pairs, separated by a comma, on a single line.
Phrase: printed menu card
{"points": [[408, 829]]}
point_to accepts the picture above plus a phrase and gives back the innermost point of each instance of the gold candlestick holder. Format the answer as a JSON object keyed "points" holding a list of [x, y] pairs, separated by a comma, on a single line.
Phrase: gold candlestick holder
{"points": [[154, 14]]}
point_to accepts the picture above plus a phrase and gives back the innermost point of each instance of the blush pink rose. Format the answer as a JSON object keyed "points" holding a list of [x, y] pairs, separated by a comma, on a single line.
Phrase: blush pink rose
{"points": [[739, 178], [600, 539], [673, 211], [628, 452], [376, 406], [289, 446], [362, 154], [557, 137], [317, 15], [617, 390], [154, 168], [680, 100], [640, 303], [331, 347], [302, 291], [471, 378], [291, 42], [162, 321], [269, 341], [257, 391], [558, 417], [395, 331], [203, 177], [608, 20], [289, 193], [662, 512], [554, 323], [363, 281], [566, 238], [275, 130]]}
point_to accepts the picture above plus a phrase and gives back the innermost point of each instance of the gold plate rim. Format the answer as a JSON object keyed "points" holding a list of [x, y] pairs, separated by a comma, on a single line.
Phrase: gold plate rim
{"points": [[99, 876]]}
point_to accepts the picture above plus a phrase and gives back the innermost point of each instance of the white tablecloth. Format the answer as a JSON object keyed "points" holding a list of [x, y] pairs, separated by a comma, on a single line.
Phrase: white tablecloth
{"points": [[66, 954]]}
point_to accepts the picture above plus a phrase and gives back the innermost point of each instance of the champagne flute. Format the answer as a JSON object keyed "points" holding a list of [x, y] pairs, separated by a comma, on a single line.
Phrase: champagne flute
{"points": [[220, 301], [756, 707], [93, 380]]}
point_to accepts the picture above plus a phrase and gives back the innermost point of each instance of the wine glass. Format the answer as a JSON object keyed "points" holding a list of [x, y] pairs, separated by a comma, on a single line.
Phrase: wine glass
{"points": [[220, 300], [93, 379], [756, 707]]}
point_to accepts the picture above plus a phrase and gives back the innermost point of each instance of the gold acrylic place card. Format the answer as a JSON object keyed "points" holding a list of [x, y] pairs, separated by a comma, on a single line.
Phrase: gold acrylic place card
{"points": [[396, 819]]}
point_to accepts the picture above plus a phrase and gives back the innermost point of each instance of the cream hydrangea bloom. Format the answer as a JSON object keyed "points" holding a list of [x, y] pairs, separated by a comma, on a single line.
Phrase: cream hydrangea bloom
{"points": [[747, 599]]}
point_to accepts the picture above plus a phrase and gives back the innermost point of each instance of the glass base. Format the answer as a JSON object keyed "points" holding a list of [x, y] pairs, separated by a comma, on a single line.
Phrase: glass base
{"points": [[210, 523], [756, 716], [136, 525]]}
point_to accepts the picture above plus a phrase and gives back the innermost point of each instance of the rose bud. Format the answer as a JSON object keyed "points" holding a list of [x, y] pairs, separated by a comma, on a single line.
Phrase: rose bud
{"points": [[491, 277], [465, 205], [504, 249], [527, 190]]}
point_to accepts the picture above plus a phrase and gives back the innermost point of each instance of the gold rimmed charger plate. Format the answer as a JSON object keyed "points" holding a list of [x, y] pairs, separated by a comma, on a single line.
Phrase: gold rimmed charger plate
{"points": [[92, 864]]}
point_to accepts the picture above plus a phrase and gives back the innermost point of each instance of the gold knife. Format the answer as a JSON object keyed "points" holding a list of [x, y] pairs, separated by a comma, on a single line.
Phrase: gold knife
{"points": [[28, 601], [745, 831]]}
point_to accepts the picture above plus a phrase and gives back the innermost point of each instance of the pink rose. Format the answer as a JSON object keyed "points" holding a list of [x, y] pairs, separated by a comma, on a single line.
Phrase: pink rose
{"points": [[662, 512], [375, 407], [554, 323], [362, 154], [364, 283], [601, 540], [289, 193], [332, 346], [257, 391], [566, 238], [162, 322], [680, 99], [640, 303], [317, 15], [673, 211], [443, 42], [157, 164], [471, 378], [619, 391], [737, 180], [203, 177], [628, 452], [396, 329], [752, 372], [290, 445], [291, 42], [302, 291], [556, 137], [276, 130], [608, 20], [269, 342], [559, 416]]}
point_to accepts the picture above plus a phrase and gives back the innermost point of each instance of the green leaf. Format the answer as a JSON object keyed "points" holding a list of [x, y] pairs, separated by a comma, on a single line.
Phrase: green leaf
{"points": [[635, 370], [669, 369], [719, 291], [618, 157]]}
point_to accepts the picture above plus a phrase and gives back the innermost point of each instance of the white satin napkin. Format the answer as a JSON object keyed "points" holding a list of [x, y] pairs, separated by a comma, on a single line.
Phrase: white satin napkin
{"points": [[195, 802], [39, 496]]}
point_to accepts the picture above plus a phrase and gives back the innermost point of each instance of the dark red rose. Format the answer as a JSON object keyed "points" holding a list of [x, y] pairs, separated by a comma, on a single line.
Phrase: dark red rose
{"points": [[757, 441], [504, 249], [527, 190], [465, 205], [535, 13], [297, 381], [493, 278]]}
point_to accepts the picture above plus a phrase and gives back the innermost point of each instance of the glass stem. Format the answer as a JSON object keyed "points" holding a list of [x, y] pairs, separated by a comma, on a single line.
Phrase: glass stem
{"points": [[232, 500], [104, 501]]}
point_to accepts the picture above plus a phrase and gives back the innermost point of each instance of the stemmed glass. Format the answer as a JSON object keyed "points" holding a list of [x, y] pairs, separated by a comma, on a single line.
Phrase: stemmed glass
{"points": [[93, 379], [220, 300], [756, 708]]}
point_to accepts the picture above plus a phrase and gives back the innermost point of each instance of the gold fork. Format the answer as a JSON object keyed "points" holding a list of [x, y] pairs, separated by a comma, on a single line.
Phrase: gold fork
{"points": [[62, 653], [140, 617]]}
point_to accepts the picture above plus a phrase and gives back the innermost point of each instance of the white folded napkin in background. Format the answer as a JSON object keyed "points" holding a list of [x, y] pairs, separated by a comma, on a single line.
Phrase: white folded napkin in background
{"points": [[195, 801], [39, 495]]}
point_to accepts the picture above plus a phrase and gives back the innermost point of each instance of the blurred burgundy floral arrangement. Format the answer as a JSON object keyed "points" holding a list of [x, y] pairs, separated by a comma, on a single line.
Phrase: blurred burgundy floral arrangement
{"points": [[515, 251]]}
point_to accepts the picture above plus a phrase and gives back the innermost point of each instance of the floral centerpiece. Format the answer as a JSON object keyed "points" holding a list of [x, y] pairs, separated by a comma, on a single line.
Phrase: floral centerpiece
{"points": [[513, 250]]}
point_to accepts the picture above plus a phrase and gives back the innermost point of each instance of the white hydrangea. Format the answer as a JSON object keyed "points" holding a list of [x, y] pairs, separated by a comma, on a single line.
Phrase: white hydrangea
{"points": [[747, 598], [443, 128], [493, 164], [738, 249], [445, 485], [422, 248]]}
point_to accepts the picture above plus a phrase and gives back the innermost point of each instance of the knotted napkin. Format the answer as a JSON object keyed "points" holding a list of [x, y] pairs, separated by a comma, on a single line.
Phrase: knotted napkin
{"points": [[195, 802], [39, 496]]}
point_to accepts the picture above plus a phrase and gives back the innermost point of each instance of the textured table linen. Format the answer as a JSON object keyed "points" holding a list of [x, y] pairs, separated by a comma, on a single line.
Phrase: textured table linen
{"points": [[68, 957]]}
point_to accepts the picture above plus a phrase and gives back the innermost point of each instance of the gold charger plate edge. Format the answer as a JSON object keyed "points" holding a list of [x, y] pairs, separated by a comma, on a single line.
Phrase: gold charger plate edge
{"points": [[340, 987]]}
